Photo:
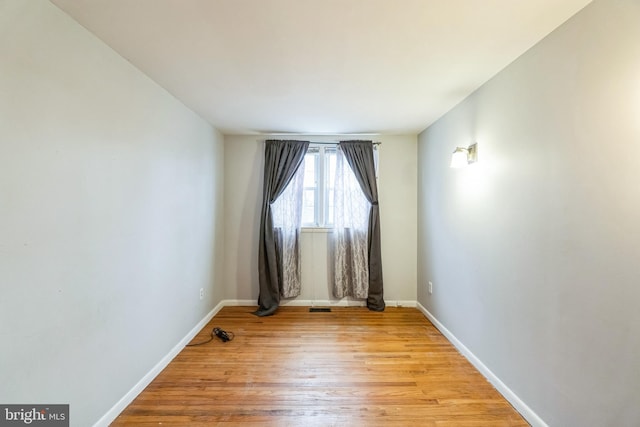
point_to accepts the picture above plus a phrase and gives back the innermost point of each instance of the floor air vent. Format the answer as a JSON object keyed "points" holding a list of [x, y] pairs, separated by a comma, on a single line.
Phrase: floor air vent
{"points": [[319, 310]]}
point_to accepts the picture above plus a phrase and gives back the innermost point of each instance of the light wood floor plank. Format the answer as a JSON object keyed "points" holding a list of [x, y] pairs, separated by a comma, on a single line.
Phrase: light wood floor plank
{"points": [[347, 367]]}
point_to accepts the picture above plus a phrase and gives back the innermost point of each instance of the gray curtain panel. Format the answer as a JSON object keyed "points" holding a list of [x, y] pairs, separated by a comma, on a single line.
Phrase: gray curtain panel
{"points": [[281, 161], [359, 155]]}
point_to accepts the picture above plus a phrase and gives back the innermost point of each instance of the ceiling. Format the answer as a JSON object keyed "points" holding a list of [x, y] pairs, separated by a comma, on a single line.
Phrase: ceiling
{"points": [[320, 66]]}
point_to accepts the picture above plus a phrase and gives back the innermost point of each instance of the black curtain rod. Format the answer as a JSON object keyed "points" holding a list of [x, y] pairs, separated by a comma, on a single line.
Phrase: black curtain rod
{"points": [[336, 143]]}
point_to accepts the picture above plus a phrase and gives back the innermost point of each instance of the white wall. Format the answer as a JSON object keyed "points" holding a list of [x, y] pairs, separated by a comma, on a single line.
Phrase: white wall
{"points": [[110, 216], [397, 187], [533, 250]]}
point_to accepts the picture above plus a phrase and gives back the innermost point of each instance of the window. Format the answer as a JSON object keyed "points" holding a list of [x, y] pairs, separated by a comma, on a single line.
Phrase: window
{"points": [[319, 177]]}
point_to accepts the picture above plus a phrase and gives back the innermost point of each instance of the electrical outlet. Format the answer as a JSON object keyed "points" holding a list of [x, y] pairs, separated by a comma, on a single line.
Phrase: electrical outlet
{"points": [[430, 288], [201, 293]]}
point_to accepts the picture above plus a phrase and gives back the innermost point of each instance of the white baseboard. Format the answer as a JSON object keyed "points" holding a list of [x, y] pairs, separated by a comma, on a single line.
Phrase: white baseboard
{"points": [[299, 303], [341, 303], [321, 302], [239, 303], [113, 413], [345, 302], [401, 303], [528, 414]]}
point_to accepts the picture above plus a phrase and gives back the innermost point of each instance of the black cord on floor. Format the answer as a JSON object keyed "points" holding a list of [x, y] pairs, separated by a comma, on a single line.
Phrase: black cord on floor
{"points": [[216, 332]]}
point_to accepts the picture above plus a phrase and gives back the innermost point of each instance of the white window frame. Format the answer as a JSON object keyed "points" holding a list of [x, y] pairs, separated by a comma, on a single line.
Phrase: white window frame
{"points": [[321, 205]]}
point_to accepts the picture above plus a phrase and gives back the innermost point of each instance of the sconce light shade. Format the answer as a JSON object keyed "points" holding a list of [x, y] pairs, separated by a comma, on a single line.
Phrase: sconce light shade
{"points": [[459, 158], [462, 156]]}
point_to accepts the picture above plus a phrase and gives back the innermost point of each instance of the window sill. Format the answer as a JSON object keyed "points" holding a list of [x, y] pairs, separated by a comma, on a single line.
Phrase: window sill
{"points": [[317, 230]]}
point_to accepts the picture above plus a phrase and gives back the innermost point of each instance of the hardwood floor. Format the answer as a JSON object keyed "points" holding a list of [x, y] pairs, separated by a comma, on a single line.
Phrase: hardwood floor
{"points": [[348, 367]]}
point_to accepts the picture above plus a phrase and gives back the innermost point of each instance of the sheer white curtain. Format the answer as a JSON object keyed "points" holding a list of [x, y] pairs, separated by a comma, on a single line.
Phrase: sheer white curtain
{"points": [[350, 234], [287, 220]]}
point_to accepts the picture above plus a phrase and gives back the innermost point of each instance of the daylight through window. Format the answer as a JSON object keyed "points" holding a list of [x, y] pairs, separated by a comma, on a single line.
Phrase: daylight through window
{"points": [[319, 177]]}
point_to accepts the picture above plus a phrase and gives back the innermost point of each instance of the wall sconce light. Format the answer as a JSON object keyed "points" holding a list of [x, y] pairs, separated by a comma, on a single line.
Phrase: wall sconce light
{"points": [[462, 156]]}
